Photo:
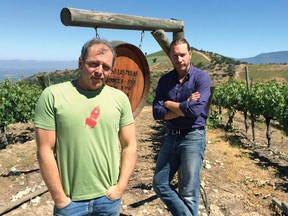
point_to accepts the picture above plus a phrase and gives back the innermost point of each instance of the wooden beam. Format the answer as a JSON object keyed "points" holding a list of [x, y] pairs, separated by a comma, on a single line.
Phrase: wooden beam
{"points": [[90, 18], [163, 40], [179, 34]]}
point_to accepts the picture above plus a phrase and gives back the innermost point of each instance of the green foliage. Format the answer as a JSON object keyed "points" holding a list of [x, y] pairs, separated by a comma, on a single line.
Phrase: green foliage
{"points": [[214, 120], [283, 115], [17, 101], [269, 100], [231, 95], [150, 98], [154, 77], [266, 99]]}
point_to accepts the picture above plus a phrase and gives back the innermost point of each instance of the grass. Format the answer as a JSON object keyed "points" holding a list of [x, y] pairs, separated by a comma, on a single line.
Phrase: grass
{"points": [[160, 57], [261, 73], [197, 59]]}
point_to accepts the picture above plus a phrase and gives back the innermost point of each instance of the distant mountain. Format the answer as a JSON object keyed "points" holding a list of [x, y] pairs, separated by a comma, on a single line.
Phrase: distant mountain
{"points": [[268, 58], [15, 69]]}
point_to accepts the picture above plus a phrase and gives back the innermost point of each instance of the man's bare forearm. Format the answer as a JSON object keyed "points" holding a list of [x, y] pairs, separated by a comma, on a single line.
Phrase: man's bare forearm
{"points": [[174, 107], [128, 161], [50, 175], [171, 115], [48, 167]]}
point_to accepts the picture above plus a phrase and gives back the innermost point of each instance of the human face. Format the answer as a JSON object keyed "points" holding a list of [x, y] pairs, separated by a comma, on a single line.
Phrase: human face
{"points": [[180, 57], [96, 68]]}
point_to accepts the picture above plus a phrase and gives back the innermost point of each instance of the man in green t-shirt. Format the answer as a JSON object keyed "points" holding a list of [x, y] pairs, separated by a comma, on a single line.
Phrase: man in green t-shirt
{"points": [[78, 126]]}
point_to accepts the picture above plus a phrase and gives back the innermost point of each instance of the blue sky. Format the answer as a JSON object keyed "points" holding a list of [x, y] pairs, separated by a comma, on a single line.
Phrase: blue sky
{"points": [[32, 29]]}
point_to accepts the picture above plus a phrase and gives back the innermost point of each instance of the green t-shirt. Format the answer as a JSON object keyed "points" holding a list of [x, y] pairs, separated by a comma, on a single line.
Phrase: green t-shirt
{"points": [[87, 145]]}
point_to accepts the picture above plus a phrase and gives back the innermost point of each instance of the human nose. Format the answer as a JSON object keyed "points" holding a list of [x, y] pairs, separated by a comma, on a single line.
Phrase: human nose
{"points": [[178, 58]]}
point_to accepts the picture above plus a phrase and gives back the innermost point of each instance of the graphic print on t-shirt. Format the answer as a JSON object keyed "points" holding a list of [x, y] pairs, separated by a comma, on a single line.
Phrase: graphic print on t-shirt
{"points": [[91, 121]]}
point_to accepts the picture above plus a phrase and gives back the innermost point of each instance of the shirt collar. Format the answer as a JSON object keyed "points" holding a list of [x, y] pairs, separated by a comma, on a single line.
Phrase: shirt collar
{"points": [[188, 75]]}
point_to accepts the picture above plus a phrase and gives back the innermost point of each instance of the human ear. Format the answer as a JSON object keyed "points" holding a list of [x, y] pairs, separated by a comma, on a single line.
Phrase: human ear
{"points": [[190, 53], [80, 63]]}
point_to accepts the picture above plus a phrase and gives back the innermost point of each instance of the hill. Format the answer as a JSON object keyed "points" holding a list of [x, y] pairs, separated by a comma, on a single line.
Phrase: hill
{"points": [[215, 64], [159, 61], [15, 69], [219, 67], [280, 57], [264, 72]]}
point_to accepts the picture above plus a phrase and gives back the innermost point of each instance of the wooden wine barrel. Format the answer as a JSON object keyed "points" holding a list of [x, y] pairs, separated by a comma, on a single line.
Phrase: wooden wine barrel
{"points": [[131, 74]]}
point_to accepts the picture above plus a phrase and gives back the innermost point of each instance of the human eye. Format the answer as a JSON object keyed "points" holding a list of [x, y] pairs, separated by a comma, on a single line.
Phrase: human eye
{"points": [[92, 64], [106, 67]]}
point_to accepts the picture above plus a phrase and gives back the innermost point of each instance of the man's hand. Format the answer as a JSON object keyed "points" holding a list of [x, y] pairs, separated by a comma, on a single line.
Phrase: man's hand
{"points": [[63, 203], [194, 96], [115, 192]]}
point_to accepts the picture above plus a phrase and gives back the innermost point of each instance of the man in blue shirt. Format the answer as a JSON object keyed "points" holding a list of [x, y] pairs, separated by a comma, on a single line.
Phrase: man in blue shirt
{"points": [[182, 100]]}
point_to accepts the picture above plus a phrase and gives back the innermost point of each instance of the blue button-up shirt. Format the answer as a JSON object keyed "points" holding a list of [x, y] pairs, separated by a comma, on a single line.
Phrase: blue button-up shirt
{"points": [[169, 88]]}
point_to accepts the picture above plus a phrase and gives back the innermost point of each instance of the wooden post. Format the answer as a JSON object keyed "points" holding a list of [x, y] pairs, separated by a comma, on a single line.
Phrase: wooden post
{"points": [[245, 111], [3, 139], [252, 116], [247, 77], [179, 34], [162, 40], [282, 205]]}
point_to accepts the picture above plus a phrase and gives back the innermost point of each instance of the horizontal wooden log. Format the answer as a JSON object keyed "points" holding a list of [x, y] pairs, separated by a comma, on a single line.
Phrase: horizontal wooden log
{"points": [[22, 200], [90, 18]]}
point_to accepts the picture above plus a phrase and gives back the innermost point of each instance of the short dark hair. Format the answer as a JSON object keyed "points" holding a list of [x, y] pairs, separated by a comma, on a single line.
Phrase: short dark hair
{"points": [[90, 43], [180, 41]]}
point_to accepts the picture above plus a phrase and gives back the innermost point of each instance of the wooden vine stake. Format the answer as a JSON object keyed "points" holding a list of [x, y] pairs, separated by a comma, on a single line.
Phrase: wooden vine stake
{"points": [[252, 116]]}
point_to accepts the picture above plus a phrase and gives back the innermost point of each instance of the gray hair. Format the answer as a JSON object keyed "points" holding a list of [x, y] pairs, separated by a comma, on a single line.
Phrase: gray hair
{"points": [[86, 47]]}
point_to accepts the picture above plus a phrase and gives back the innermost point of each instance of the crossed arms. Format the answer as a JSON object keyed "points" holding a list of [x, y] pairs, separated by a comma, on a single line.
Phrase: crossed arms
{"points": [[173, 107]]}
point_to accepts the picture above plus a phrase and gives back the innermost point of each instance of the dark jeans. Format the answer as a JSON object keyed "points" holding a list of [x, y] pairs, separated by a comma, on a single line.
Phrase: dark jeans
{"points": [[186, 150]]}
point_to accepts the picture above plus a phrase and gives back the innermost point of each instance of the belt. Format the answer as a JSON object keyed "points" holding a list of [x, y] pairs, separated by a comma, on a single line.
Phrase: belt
{"points": [[183, 131]]}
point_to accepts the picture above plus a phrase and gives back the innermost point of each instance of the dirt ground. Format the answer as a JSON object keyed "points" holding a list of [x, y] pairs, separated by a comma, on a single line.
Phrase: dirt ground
{"points": [[238, 177]]}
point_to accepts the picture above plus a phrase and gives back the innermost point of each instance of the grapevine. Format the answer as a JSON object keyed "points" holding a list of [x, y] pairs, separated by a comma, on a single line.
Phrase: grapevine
{"points": [[269, 100], [17, 101]]}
